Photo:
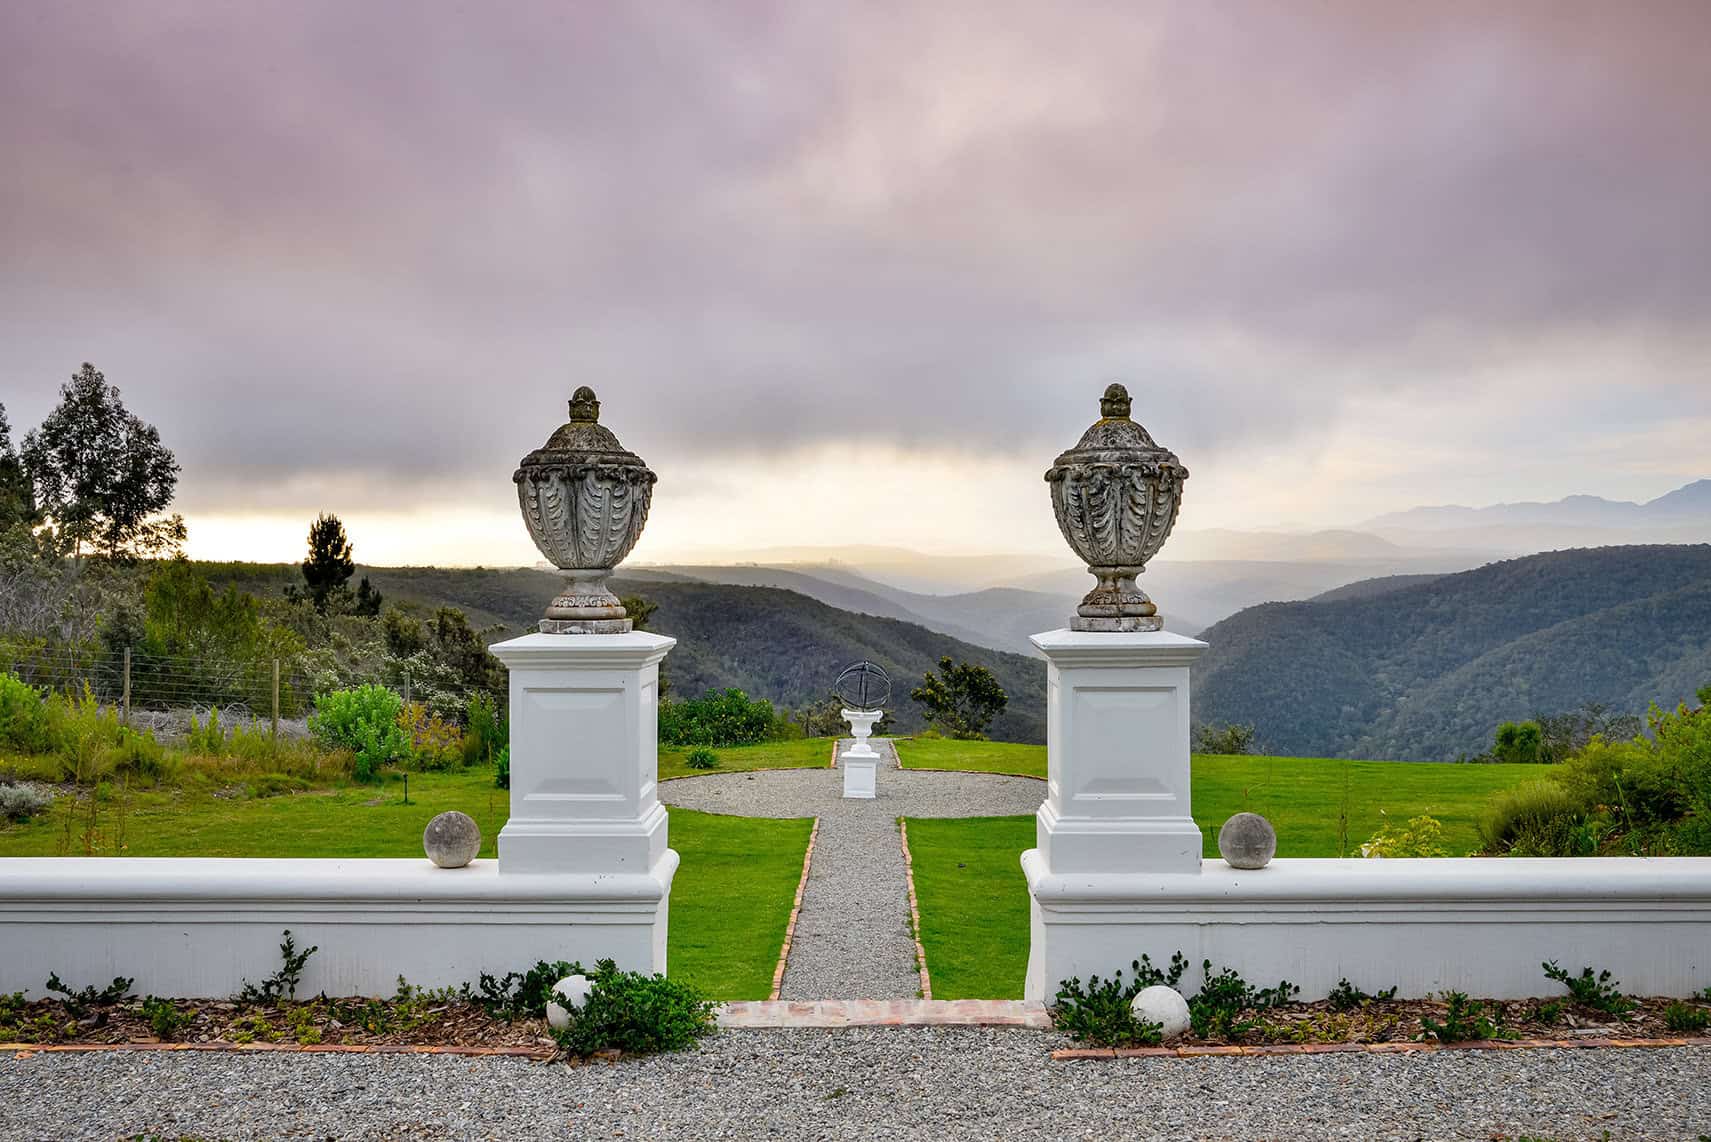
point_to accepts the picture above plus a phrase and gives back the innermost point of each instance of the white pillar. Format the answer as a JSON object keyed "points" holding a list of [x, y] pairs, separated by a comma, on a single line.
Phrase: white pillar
{"points": [[1117, 790], [584, 776]]}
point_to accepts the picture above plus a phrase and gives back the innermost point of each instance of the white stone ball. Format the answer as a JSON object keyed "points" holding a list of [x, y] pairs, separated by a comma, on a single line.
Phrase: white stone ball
{"points": [[1164, 1006], [574, 990], [452, 839], [1247, 840]]}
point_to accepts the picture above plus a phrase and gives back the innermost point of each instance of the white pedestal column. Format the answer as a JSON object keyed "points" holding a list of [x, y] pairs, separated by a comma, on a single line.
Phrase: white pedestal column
{"points": [[860, 762], [1117, 791], [584, 775]]}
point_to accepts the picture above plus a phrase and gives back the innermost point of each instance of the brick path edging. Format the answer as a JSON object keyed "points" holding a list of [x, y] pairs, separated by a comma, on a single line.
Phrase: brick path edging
{"points": [[795, 911], [25, 1050], [1076, 1054], [914, 909]]}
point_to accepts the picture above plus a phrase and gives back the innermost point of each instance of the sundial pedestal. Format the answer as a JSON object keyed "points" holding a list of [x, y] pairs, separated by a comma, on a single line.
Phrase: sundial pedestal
{"points": [[860, 762]]}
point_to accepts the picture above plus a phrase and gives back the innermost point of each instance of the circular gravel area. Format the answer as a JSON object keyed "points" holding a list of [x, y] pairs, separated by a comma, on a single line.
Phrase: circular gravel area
{"points": [[890, 1083], [853, 939]]}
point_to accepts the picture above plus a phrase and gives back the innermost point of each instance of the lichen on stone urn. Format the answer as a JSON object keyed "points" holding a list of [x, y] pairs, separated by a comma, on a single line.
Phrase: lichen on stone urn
{"points": [[1116, 496], [585, 499]]}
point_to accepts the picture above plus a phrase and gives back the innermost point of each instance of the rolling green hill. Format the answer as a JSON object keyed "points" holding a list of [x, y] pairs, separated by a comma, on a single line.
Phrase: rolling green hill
{"points": [[1426, 672], [773, 643]]}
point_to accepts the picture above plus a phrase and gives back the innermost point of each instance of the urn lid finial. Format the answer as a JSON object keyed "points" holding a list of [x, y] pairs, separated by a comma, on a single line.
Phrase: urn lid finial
{"points": [[584, 409], [1114, 405]]}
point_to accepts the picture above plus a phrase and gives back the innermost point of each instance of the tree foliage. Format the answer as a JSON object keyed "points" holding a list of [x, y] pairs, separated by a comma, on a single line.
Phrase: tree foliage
{"points": [[328, 566], [17, 497], [101, 475], [961, 700]]}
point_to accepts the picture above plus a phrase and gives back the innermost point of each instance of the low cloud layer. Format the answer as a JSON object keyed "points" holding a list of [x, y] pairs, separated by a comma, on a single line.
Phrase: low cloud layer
{"points": [[361, 253]]}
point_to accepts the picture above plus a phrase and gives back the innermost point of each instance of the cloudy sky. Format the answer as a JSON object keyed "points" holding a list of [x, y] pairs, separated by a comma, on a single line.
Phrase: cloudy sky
{"points": [[859, 271]]}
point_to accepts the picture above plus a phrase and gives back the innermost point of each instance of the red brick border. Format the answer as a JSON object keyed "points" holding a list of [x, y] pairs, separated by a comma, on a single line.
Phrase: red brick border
{"points": [[1077, 1054], [25, 1050], [795, 911], [914, 909]]}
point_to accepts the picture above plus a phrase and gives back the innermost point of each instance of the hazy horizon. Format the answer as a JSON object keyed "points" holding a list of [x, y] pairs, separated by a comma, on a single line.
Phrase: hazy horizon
{"points": [[857, 273]]}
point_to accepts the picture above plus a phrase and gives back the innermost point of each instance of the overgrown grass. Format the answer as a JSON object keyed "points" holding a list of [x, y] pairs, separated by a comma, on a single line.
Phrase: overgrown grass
{"points": [[730, 902]]}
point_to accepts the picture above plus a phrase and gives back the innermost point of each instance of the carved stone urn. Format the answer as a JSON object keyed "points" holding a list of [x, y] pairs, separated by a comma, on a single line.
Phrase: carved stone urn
{"points": [[585, 498], [1116, 495]]}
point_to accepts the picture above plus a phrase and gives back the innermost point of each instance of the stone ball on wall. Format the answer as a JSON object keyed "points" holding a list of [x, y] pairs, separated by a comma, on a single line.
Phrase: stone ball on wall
{"points": [[1247, 840], [1164, 1006], [574, 990], [452, 839]]}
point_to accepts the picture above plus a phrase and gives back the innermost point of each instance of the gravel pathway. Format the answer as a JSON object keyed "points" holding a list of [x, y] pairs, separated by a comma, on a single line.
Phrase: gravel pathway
{"points": [[927, 1083], [852, 936]]}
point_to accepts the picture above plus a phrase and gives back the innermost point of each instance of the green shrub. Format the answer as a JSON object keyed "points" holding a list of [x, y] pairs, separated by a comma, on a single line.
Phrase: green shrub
{"points": [[1224, 740], [165, 1019], [637, 1014], [1465, 1021], [364, 721], [486, 731], [701, 758], [1518, 743], [22, 801], [1215, 1012], [1686, 1019], [1421, 837], [435, 743], [1346, 996], [502, 769], [520, 995], [24, 722], [1537, 818], [717, 718], [209, 738], [282, 984], [1595, 992]]}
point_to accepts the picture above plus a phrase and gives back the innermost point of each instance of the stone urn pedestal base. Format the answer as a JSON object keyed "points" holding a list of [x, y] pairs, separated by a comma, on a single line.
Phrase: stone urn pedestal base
{"points": [[585, 814], [1116, 813], [860, 762]]}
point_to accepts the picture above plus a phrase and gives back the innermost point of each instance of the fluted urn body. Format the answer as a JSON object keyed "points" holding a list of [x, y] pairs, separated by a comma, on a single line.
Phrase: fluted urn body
{"points": [[585, 500], [1116, 495]]}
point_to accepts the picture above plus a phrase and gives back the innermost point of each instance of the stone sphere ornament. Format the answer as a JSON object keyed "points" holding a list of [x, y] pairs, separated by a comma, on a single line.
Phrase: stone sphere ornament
{"points": [[1116, 495], [452, 839], [574, 990], [1247, 840], [585, 499], [1164, 1006]]}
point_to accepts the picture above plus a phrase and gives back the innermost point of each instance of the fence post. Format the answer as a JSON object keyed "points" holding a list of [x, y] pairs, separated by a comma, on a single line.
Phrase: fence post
{"points": [[276, 699], [126, 716]]}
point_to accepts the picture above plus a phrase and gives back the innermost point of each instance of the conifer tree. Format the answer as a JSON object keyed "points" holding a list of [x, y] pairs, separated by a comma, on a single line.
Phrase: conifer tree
{"points": [[329, 565]]}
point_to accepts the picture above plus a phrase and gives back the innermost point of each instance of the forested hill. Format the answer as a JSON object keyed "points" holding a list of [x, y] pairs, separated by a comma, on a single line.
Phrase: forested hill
{"points": [[773, 643], [1428, 671]]}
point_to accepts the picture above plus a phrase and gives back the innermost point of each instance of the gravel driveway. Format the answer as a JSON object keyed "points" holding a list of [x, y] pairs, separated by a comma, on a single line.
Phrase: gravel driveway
{"points": [[887, 1083], [852, 936]]}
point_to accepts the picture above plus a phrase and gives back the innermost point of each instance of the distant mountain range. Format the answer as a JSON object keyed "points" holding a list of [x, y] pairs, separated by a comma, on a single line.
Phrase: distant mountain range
{"points": [[1682, 516], [1426, 669]]}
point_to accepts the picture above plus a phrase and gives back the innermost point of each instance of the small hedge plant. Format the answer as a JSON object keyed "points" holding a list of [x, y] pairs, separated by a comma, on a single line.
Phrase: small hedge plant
{"points": [[637, 1014], [701, 758], [1100, 1012], [718, 718], [364, 721]]}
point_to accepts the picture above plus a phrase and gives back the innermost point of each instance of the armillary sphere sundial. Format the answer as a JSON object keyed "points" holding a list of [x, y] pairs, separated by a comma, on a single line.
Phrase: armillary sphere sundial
{"points": [[863, 686]]}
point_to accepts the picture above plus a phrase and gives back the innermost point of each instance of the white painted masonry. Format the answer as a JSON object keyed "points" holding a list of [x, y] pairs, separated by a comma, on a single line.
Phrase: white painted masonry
{"points": [[1118, 872], [584, 871]]}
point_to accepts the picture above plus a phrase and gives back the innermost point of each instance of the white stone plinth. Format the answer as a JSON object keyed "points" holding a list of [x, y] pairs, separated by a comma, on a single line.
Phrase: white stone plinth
{"points": [[860, 776], [584, 760], [1117, 765]]}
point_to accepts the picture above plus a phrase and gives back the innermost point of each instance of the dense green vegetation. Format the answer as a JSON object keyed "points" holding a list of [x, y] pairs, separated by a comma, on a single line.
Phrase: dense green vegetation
{"points": [[1647, 795], [1426, 672]]}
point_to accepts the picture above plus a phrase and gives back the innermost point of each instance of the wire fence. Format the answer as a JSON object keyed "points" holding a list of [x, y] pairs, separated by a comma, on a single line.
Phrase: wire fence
{"points": [[163, 690]]}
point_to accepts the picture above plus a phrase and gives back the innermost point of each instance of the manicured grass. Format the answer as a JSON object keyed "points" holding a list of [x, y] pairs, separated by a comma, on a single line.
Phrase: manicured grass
{"points": [[980, 757], [729, 906], [974, 903], [799, 753], [731, 899], [974, 900]]}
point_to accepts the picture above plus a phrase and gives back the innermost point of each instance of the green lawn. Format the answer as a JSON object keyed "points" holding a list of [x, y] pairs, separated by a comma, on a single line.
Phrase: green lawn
{"points": [[981, 757], [800, 753], [974, 900], [730, 902]]}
